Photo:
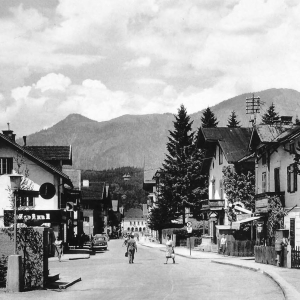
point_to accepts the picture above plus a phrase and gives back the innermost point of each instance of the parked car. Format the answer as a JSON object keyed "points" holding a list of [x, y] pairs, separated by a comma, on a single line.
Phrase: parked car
{"points": [[99, 242]]}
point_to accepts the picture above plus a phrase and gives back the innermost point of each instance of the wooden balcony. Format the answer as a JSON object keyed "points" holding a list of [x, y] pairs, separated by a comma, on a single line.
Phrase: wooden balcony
{"points": [[212, 204], [262, 200]]}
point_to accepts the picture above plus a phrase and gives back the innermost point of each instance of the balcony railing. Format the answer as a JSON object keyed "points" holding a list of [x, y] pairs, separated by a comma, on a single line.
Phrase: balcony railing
{"points": [[212, 204]]}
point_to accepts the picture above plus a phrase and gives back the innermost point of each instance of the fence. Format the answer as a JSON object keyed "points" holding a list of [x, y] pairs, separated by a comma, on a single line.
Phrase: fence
{"points": [[268, 255], [296, 257], [239, 248]]}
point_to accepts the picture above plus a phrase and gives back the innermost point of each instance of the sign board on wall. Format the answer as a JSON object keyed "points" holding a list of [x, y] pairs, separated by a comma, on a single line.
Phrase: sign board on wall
{"points": [[261, 205]]}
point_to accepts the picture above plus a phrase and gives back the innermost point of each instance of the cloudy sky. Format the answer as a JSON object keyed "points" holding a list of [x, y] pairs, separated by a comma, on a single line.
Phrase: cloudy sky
{"points": [[107, 58]]}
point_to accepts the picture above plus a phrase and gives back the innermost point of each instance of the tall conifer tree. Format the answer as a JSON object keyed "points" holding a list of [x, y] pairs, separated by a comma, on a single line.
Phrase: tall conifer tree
{"points": [[180, 173], [208, 119], [271, 116], [232, 121]]}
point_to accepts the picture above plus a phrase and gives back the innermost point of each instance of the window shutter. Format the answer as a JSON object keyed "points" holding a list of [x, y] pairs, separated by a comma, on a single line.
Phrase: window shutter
{"points": [[288, 180]]}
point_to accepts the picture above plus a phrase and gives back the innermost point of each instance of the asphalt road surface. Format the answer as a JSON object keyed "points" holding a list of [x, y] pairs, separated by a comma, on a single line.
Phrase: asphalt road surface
{"points": [[108, 275]]}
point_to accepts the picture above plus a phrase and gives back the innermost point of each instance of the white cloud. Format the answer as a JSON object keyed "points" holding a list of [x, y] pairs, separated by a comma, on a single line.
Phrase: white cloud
{"points": [[150, 81], [142, 56], [53, 82], [141, 62]]}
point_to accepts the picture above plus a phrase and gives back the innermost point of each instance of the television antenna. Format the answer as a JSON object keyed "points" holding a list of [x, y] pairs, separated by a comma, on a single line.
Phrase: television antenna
{"points": [[253, 108]]}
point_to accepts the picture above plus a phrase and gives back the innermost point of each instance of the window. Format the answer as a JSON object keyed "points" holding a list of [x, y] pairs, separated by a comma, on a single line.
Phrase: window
{"points": [[277, 180], [213, 189], [291, 179], [25, 201], [264, 159], [86, 219], [138, 223], [220, 156], [221, 189], [130, 223], [6, 165], [263, 182]]}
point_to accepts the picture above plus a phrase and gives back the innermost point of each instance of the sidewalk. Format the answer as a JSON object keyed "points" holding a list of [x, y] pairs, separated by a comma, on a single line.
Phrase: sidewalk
{"points": [[287, 279]]}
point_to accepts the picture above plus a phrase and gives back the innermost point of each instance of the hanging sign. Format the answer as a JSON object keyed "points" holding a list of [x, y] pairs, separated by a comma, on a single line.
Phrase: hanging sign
{"points": [[47, 190]]}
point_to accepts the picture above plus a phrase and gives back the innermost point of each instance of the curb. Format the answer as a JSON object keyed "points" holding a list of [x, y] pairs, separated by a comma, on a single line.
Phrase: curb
{"points": [[288, 291], [69, 283]]}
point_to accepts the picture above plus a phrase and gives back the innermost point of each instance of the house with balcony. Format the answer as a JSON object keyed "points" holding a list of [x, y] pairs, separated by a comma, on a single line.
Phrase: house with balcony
{"points": [[223, 146], [275, 148], [38, 167]]}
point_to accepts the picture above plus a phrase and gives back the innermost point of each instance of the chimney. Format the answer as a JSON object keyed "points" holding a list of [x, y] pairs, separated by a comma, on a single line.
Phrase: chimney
{"points": [[9, 133], [24, 139]]}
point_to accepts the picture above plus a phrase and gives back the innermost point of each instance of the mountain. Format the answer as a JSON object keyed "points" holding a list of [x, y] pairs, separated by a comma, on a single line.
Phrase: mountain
{"points": [[132, 140]]}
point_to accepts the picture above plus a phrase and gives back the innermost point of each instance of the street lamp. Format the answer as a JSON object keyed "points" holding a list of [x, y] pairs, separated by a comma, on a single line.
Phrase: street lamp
{"points": [[15, 182]]}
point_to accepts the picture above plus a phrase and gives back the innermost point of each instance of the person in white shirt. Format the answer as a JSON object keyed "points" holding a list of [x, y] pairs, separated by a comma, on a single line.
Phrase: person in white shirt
{"points": [[223, 244]]}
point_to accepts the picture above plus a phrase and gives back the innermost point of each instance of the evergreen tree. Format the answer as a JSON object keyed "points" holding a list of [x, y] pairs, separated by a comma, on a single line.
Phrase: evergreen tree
{"points": [[271, 116], [208, 119], [232, 121], [180, 174]]}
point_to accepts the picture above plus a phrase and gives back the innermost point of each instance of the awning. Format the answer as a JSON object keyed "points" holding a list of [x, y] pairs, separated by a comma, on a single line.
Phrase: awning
{"points": [[247, 220]]}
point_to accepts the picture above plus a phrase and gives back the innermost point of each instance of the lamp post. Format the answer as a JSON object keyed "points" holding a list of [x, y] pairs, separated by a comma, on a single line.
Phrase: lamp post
{"points": [[15, 182], [14, 281]]}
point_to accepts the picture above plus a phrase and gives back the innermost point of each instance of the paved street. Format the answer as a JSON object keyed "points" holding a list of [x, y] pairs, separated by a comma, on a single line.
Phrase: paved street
{"points": [[107, 275]]}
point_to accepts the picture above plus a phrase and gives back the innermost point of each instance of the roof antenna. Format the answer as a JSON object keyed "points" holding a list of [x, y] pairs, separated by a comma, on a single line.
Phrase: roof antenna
{"points": [[252, 108]]}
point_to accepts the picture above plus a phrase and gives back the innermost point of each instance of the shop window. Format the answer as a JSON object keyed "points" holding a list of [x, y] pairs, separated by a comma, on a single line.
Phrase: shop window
{"points": [[291, 179], [263, 182], [6, 165]]}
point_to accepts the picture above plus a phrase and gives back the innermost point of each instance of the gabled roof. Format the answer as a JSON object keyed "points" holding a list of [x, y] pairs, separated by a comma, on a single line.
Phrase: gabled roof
{"points": [[53, 153], [270, 134], [233, 141], [38, 160], [95, 191], [134, 213]]}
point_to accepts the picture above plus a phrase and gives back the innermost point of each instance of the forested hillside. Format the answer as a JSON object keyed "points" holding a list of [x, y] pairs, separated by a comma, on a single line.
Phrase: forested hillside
{"points": [[137, 140], [130, 193]]}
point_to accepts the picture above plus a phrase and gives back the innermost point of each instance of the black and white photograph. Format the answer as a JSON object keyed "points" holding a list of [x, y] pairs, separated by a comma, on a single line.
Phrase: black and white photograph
{"points": [[150, 149]]}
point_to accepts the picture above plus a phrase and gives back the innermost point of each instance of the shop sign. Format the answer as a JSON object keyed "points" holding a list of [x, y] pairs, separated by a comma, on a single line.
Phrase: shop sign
{"points": [[261, 205]]}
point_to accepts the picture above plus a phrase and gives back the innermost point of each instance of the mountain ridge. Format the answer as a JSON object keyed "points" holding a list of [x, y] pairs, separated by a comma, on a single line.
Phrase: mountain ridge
{"points": [[139, 140]]}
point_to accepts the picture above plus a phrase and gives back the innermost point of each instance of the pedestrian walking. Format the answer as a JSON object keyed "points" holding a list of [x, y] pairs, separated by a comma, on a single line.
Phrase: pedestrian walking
{"points": [[59, 248], [170, 253], [223, 244], [131, 248]]}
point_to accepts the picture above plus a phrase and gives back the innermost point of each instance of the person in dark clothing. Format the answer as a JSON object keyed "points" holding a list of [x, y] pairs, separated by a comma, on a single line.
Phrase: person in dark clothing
{"points": [[131, 248]]}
